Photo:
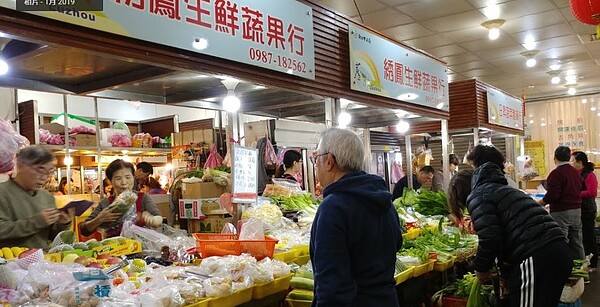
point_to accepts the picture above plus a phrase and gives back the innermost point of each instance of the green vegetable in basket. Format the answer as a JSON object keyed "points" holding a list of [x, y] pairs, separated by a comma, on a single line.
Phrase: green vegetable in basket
{"points": [[305, 274], [303, 295], [432, 203], [302, 283]]}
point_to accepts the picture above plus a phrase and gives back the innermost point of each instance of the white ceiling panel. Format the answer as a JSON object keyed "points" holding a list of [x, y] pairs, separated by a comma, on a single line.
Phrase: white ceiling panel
{"points": [[516, 9], [425, 10], [447, 50], [561, 41], [512, 63], [544, 33], [455, 22], [486, 44], [460, 58], [484, 3], [568, 14], [349, 9], [562, 3], [467, 35], [480, 73], [580, 27], [534, 21], [428, 42], [469, 66], [499, 52], [386, 18], [406, 32], [396, 2]]}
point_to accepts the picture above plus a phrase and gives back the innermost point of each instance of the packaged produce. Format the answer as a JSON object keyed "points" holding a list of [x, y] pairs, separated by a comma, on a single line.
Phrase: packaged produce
{"points": [[10, 143], [120, 140], [298, 294], [214, 159], [141, 140], [302, 283]]}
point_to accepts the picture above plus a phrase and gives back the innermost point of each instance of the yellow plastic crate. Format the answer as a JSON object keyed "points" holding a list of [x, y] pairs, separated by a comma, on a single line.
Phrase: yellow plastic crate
{"points": [[237, 298], [412, 234], [423, 268], [266, 289], [202, 303], [440, 266], [404, 276], [287, 256], [302, 250], [297, 303]]}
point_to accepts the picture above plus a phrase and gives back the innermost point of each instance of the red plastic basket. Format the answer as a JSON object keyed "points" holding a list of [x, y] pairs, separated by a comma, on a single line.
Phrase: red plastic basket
{"points": [[227, 244]]}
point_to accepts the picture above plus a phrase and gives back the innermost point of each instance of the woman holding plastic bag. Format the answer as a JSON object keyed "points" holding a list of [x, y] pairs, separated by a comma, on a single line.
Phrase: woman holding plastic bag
{"points": [[125, 204]]}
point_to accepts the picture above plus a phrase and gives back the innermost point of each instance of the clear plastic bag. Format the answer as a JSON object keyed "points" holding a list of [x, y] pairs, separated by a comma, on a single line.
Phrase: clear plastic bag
{"points": [[270, 160], [253, 229]]}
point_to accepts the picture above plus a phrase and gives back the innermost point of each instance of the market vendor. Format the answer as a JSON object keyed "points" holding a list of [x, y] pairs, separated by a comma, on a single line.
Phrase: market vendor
{"points": [[28, 213], [292, 164], [422, 178], [143, 170], [437, 183], [121, 176]]}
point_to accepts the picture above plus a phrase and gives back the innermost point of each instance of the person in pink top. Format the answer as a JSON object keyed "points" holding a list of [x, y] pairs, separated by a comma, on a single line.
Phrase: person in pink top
{"points": [[589, 191]]}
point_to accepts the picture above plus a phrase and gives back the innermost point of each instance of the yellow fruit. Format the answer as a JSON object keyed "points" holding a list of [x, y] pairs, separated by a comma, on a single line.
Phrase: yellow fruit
{"points": [[16, 251], [8, 255], [1, 254]]}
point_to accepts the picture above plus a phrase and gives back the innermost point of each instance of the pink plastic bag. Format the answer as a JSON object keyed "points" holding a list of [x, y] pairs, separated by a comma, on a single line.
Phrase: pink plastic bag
{"points": [[270, 156], [214, 158], [10, 143]]}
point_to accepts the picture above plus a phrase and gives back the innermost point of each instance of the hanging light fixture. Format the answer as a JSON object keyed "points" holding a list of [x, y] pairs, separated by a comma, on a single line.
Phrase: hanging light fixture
{"points": [[231, 103], [555, 76], [571, 89], [530, 55], [402, 126], [344, 119], [493, 27], [3, 67]]}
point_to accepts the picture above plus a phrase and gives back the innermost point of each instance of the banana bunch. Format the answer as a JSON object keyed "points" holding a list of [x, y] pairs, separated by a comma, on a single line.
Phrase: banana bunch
{"points": [[10, 253]]}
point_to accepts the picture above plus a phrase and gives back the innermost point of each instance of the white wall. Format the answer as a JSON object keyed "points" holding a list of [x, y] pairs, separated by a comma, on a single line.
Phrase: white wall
{"points": [[7, 104]]}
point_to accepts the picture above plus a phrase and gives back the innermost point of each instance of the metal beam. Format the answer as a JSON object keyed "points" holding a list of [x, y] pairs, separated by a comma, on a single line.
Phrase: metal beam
{"points": [[307, 111], [201, 105], [17, 50], [115, 94], [205, 93], [276, 103], [126, 78], [27, 84]]}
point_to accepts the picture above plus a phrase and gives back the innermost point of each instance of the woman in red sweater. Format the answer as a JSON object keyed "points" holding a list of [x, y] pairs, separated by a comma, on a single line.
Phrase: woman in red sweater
{"points": [[589, 191]]}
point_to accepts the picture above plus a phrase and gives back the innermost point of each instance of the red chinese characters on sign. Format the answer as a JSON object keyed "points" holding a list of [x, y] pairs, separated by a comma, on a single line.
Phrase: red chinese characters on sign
{"points": [[226, 17], [510, 113], [169, 8], [388, 70], [140, 4], [252, 27], [275, 32], [197, 12], [399, 73], [295, 34]]}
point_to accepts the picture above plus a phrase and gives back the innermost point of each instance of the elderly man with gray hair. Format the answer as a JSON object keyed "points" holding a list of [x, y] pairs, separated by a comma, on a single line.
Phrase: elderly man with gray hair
{"points": [[28, 213], [356, 231]]}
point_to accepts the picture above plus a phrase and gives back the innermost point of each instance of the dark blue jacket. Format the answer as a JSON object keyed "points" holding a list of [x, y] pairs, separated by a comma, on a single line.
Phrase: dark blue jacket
{"points": [[353, 243]]}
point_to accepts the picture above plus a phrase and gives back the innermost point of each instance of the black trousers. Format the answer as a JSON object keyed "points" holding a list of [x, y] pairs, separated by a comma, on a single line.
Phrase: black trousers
{"points": [[538, 281], [590, 246]]}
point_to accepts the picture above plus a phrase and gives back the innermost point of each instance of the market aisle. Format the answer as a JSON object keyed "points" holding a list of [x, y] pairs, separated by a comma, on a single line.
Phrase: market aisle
{"points": [[591, 295]]}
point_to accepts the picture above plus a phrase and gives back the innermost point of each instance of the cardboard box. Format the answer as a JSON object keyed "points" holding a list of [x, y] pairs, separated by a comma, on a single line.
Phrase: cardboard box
{"points": [[198, 208], [201, 190], [187, 137], [87, 140], [210, 224]]}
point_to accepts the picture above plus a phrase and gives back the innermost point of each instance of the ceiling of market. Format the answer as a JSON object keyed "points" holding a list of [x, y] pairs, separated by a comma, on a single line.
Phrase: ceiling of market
{"points": [[451, 30], [448, 29]]}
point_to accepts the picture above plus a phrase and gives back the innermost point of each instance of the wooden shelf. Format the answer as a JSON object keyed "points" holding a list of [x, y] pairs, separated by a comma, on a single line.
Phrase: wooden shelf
{"points": [[109, 151]]}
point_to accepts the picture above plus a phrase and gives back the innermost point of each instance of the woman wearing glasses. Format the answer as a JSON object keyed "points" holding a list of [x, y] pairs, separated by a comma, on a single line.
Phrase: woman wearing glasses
{"points": [[28, 214]]}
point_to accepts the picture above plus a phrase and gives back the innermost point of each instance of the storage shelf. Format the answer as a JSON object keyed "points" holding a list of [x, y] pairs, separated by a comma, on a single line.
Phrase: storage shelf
{"points": [[87, 150]]}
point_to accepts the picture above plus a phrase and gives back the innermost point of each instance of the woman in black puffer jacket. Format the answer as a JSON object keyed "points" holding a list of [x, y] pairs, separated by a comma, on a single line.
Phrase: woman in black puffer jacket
{"points": [[514, 231]]}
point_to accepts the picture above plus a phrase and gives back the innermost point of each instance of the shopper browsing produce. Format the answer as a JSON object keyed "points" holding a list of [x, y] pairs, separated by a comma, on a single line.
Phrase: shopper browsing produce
{"points": [[422, 178], [111, 212], [152, 186], [356, 231], [528, 245], [28, 213], [292, 164], [564, 199], [589, 192]]}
